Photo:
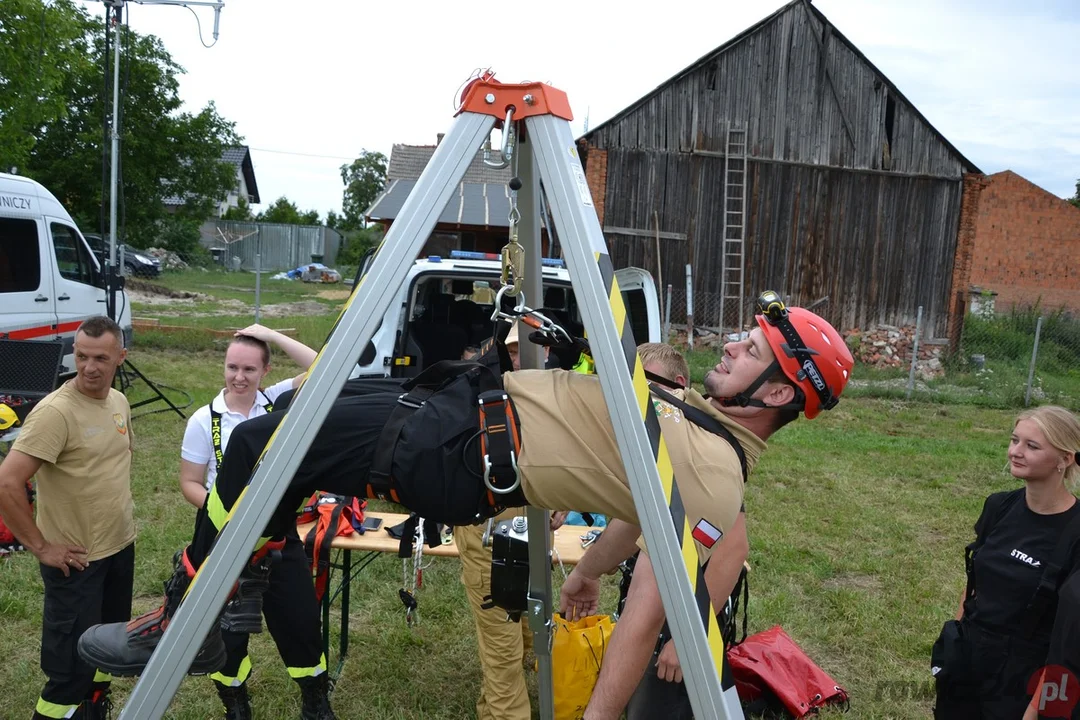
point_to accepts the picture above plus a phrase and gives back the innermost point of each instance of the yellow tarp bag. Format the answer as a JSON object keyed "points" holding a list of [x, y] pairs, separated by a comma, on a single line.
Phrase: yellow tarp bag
{"points": [[577, 652]]}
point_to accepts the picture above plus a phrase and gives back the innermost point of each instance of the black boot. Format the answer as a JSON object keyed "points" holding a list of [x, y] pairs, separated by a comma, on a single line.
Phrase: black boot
{"points": [[123, 649], [236, 701], [243, 611], [315, 698]]}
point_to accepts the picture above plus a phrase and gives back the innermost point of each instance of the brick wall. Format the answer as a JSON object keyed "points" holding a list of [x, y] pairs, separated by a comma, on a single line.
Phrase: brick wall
{"points": [[596, 177], [1027, 245]]}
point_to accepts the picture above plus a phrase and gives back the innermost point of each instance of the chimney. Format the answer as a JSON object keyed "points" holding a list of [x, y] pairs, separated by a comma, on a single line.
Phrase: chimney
{"points": [[439, 137]]}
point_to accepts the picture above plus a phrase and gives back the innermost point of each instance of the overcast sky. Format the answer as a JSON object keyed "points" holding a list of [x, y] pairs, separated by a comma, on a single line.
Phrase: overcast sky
{"points": [[310, 84]]}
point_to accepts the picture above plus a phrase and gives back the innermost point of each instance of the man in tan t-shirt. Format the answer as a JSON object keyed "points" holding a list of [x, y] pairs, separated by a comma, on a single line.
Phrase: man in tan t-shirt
{"points": [[659, 691], [77, 442], [420, 448]]}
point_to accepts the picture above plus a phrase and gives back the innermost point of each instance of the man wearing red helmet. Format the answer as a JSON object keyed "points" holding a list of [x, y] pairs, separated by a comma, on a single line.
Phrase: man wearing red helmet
{"points": [[459, 442], [792, 362]]}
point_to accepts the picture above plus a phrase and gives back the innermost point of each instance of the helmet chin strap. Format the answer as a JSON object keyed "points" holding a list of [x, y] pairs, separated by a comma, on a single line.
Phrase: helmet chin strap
{"points": [[744, 399]]}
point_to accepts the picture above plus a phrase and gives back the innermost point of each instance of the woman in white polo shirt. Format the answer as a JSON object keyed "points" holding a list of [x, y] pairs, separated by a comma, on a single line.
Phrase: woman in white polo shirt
{"points": [[289, 606]]}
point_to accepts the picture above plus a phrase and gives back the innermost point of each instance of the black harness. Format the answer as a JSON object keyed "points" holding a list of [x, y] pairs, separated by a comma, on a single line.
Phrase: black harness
{"points": [[215, 427], [706, 422]]}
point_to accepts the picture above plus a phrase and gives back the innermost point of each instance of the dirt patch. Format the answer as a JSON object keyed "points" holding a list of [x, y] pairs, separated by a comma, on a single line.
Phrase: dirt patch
{"points": [[144, 288], [175, 307], [856, 581], [167, 302], [177, 298], [304, 307]]}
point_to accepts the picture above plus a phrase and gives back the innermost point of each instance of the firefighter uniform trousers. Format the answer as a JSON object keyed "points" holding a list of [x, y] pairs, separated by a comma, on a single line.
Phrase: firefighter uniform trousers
{"points": [[1002, 668], [99, 594], [292, 618], [502, 644]]}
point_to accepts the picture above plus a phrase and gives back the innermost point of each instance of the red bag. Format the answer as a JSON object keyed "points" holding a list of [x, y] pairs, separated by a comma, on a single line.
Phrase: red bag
{"points": [[333, 515], [771, 662], [8, 542]]}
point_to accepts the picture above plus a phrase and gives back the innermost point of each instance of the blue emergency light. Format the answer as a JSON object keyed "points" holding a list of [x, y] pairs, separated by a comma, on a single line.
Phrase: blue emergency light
{"points": [[473, 255]]}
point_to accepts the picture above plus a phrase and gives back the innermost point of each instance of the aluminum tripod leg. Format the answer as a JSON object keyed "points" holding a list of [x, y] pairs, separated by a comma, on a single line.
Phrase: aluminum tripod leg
{"points": [[582, 242], [540, 593], [286, 448]]}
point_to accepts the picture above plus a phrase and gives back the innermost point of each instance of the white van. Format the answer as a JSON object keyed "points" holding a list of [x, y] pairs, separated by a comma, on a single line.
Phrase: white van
{"points": [[50, 281], [445, 304]]}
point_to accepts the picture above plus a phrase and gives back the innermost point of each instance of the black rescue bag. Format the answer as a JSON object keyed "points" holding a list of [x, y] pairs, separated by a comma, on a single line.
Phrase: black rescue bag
{"points": [[431, 453]]}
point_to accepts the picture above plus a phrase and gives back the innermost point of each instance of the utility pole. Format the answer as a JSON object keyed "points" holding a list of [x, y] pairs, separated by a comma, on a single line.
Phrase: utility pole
{"points": [[117, 7]]}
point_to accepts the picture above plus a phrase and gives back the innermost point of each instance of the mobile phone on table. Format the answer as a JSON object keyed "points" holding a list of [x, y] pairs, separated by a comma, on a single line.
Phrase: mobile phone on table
{"points": [[371, 524]]}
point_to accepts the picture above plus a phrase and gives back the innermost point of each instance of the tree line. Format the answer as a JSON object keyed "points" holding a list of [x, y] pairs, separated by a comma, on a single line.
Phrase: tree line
{"points": [[55, 98]]}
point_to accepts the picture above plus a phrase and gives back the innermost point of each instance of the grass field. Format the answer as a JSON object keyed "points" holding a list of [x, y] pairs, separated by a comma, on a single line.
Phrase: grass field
{"points": [[857, 522]]}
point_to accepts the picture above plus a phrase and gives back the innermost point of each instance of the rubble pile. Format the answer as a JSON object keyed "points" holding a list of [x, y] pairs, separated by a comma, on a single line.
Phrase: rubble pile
{"points": [[169, 259], [889, 346]]}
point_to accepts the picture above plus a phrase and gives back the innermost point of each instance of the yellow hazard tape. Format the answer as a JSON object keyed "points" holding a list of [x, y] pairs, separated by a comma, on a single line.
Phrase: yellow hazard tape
{"points": [[663, 466]]}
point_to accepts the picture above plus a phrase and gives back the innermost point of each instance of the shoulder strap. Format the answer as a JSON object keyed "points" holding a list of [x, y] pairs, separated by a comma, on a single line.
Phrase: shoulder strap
{"points": [[379, 483], [994, 509], [215, 427], [704, 421], [215, 434], [661, 380], [1044, 600]]}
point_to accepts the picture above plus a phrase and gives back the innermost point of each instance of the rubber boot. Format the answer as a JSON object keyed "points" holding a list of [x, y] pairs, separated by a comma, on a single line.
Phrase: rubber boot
{"points": [[123, 649]]}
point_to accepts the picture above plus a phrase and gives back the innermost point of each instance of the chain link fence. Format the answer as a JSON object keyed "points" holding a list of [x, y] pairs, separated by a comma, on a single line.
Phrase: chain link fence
{"points": [[704, 306], [232, 274], [1025, 356], [1020, 357]]}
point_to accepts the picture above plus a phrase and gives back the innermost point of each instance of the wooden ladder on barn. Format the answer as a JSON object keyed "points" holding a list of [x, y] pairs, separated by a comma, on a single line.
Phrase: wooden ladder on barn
{"points": [[732, 295]]}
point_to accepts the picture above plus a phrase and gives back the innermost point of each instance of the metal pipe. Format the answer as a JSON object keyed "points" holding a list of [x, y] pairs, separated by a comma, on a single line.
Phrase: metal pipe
{"points": [[914, 354], [1031, 368]]}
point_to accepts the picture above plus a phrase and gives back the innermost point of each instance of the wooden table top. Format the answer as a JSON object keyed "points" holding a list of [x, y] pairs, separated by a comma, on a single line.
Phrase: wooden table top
{"points": [[567, 540]]}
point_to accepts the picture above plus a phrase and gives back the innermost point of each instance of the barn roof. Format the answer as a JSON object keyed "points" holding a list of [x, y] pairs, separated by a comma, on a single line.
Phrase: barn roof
{"points": [[713, 54]]}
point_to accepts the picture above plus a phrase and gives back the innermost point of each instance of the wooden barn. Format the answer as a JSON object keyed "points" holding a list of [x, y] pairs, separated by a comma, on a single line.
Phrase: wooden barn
{"points": [[784, 160]]}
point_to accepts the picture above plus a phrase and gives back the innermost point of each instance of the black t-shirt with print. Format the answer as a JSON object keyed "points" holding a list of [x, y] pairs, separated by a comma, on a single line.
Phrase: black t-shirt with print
{"points": [[1011, 561]]}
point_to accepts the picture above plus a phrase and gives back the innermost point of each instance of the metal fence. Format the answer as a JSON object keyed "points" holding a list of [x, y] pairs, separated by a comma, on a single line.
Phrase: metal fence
{"points": [[706, 308], [1023, 356], [244, 259], [270, 246], [1014, 358]]}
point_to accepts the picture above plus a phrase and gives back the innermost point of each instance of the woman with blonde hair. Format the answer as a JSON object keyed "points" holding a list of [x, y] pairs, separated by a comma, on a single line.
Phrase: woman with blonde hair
{"points": [[290, 605], [988, 661]]}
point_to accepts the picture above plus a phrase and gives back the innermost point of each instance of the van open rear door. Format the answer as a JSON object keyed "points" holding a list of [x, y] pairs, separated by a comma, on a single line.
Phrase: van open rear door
{"points": [[642, 303]]}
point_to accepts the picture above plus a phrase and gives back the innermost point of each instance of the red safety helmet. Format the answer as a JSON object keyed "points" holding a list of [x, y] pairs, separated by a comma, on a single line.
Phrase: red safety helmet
{"points": [[808, 350]]}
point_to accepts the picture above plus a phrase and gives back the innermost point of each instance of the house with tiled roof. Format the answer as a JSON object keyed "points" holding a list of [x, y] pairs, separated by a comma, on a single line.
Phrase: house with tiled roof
{"points": [[246, 187], [475, 218]]}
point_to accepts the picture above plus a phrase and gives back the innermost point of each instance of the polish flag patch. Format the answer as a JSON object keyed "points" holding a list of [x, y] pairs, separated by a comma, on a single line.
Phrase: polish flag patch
{"points": [[706, 533]]}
